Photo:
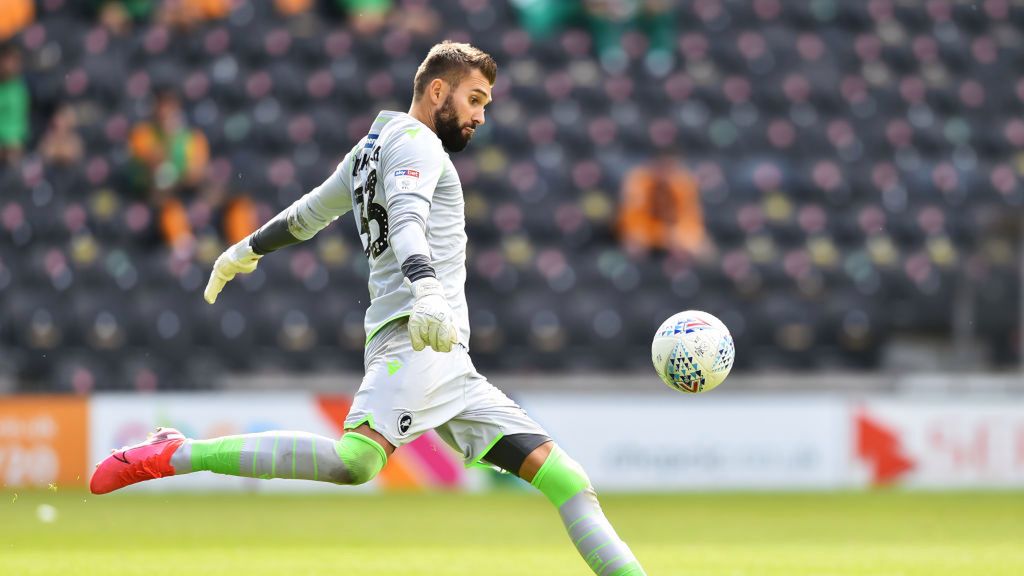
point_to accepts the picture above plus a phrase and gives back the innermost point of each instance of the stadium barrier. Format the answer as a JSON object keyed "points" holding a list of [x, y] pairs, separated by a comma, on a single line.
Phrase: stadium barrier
{"points": [[627, 442]]}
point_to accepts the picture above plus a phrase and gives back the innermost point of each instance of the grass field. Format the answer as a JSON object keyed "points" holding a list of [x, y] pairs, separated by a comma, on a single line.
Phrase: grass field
{"points": [[877, 534]]}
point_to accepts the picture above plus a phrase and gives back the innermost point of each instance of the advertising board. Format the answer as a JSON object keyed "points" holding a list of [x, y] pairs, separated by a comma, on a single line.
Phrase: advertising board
{"points": [[43, 441], [662, 443]]}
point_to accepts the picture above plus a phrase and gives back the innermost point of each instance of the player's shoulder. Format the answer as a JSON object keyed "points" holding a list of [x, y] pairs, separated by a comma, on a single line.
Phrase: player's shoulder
{"points": [[402, 130]]}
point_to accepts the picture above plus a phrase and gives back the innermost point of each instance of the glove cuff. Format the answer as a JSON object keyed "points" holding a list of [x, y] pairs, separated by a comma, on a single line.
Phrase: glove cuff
{"points": [[243, 251], [426, 287]]}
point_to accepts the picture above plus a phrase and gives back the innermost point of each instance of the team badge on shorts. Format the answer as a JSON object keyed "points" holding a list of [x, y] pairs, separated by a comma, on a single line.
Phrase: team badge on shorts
{"points": [[404, 423], [406, 179]]}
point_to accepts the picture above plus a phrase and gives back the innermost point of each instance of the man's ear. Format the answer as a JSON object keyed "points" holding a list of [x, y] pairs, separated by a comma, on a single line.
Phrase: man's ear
{"points": [[437, 90]]}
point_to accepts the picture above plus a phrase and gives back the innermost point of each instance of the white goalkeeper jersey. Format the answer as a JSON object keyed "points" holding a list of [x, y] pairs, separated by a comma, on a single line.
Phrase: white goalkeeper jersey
{"points": [[397, 175]]}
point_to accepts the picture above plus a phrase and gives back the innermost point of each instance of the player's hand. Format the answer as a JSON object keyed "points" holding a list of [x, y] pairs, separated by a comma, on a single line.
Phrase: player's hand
{"points": [[432, 322], [239, 259]]}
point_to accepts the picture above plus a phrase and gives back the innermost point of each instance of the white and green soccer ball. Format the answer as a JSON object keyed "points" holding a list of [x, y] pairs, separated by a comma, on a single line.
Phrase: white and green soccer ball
{"points": [[693, 351]]}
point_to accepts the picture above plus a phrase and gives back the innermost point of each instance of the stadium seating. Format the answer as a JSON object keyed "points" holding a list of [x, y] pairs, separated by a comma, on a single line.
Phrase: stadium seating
{"points": [[860, 165]]}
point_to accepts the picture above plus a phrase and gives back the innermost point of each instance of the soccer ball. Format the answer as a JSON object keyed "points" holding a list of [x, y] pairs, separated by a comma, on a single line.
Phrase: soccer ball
{"points": [[692, 351]]}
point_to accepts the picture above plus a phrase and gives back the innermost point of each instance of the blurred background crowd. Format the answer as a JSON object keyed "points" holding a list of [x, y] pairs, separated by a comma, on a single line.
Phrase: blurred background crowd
{"points": [[840, 182]]}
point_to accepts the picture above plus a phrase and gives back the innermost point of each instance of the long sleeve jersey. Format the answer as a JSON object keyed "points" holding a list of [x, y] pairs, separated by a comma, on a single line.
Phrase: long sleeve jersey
{"points": [[398, 175]]}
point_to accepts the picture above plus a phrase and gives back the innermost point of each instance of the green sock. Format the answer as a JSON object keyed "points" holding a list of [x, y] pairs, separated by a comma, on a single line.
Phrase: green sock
{"points": [[566, 485], [284, 454], [219, 455]]}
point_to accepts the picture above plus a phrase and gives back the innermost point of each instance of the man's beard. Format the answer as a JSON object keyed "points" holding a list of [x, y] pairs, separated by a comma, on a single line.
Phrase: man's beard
{"points": [[446, 122]]}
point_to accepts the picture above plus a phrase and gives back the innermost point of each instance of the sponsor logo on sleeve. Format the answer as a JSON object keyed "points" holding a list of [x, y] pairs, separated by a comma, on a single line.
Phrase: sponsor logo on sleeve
{"points": [[406, 179]]}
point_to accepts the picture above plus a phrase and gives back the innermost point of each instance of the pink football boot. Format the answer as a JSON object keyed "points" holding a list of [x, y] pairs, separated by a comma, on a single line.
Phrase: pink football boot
{"points": [[144, 461]]}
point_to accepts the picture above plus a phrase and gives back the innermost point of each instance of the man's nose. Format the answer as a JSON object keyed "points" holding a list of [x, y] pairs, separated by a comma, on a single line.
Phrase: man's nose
{"points": [[478, 119]]}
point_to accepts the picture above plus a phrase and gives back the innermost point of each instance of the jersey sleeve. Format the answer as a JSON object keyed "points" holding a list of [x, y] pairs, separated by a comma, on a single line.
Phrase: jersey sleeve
{"points": [[323, 204], [411, 167]]}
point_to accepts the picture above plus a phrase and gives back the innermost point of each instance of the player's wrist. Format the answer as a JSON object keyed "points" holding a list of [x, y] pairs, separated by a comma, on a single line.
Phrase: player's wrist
{"points": [[243, 251], [416, 267], [272, 236], [253, 244], [425, 287]]}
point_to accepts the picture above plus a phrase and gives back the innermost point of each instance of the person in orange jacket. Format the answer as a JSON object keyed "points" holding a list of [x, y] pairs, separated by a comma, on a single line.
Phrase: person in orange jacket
{"points": [[661, 209]]}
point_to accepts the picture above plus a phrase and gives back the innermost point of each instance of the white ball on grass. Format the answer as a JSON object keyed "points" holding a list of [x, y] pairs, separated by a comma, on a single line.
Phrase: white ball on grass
{"points": [[46, 513]]}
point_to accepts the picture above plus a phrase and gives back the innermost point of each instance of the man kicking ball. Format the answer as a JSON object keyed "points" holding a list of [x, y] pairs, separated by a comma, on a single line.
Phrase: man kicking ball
{"points": [[410, 216]]}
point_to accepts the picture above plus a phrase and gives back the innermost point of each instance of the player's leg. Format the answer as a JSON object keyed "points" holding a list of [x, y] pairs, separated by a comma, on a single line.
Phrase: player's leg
{"points": [[403, 394], [354, 459], [496, 430], [539, 461]]}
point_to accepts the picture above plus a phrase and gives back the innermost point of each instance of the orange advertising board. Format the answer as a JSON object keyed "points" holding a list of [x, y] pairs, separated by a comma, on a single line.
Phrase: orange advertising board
{"points": [[43, 441]]}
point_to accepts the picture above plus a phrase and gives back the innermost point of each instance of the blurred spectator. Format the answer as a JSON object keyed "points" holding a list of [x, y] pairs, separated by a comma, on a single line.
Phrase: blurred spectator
{"points": [[366, 16], [15, 16], [418, 19], [116, 42], [172, 153], [14, 112], [661, 209], [292, 7], [170, 162], [184, 14], [609, 21], [61, 145], [117, 16], [236, 212], [542, 18]]}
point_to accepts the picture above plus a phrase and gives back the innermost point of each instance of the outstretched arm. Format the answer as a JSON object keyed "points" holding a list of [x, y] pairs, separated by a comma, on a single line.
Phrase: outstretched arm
{"points": [[297, 223]]}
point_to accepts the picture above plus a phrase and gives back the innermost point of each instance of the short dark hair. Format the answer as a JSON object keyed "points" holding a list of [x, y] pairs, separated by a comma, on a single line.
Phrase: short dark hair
{"points": [[452, 61]]}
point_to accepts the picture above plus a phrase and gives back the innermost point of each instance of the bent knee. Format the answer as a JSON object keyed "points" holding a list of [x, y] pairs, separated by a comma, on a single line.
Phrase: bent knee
{"points": [[560, 478], [361, 457]]}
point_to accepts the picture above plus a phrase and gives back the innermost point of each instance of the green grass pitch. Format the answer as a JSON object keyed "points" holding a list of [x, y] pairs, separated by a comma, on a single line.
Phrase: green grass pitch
{"points": [[506, 534]]}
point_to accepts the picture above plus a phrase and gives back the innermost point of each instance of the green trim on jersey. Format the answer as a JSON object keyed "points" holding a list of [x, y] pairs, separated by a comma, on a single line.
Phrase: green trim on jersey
{"points": [[367, 420], [383, 117], [384, 325]]}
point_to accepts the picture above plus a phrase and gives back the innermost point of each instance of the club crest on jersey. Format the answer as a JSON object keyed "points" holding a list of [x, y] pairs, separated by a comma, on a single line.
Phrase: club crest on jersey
{"points": [[404, 423], [406, 179]]}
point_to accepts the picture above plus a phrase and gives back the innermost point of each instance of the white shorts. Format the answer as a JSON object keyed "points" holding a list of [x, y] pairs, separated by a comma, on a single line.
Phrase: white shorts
{"points": [[406, 393]]}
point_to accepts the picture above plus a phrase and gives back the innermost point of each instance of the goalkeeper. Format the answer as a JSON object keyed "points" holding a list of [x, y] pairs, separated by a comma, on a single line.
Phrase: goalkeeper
{"points": [[409, 210]]}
